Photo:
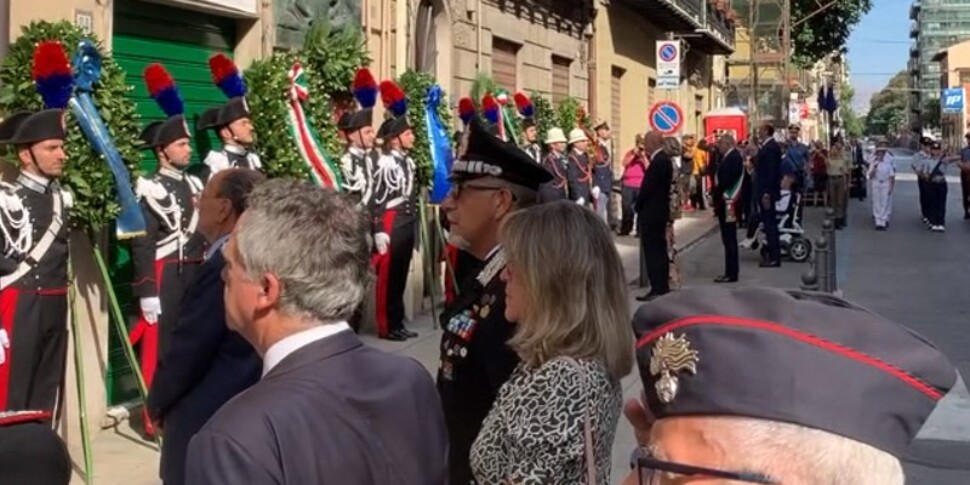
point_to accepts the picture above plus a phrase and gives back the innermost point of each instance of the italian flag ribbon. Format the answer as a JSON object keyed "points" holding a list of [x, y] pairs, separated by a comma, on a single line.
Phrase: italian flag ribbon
{"points": [[322, 169], [506, 128], [732, 199]]}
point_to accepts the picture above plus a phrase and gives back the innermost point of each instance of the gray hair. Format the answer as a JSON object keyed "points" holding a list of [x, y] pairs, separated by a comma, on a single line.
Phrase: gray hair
{"points": [[796, 454], [236, 186], [314, 241]]}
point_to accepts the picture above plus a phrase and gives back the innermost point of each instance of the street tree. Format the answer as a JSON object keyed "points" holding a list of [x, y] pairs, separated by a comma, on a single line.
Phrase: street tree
{"points": [[887, 108], [821, 28], [931, 115]]}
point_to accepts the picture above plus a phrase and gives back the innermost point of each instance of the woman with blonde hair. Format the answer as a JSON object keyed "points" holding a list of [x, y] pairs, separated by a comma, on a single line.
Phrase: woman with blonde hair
{"points": [[555, 419]]}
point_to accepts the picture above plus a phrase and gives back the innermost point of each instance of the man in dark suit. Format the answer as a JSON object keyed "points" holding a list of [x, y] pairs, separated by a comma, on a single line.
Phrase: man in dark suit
{"points": [[328, 410], [653, 213], [727, 193], [768, 191], [206, 363]]}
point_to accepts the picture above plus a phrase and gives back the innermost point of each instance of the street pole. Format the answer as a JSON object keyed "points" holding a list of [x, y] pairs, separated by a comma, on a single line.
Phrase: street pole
{"points": [[753, 75], [786, 53]]}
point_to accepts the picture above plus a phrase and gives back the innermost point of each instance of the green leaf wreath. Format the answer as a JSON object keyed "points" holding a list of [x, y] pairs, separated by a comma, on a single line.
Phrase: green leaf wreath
{"points": [[544, 115], [87, 174], [268, 87], [416, 85]]}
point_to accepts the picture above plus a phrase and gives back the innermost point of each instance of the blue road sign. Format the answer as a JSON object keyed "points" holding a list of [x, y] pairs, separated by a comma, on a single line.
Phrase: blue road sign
{"points": [[666, 117], [953, 100], [668, 52]]}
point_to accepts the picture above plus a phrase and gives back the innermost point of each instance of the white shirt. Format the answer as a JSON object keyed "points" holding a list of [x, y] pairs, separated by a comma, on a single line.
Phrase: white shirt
{"points": [[884, 169], [280, 350], [216, 246]]}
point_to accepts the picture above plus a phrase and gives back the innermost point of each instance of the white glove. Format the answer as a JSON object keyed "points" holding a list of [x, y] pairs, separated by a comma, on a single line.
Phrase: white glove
{"points": [[4, 345], [596, 192], [151, 308], [581, 201], [381, 242]]}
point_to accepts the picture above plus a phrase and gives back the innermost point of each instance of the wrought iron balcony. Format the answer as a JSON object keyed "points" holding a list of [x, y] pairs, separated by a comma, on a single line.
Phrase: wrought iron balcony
{"points": [[914, 29], [914, 9], [705, 24]]}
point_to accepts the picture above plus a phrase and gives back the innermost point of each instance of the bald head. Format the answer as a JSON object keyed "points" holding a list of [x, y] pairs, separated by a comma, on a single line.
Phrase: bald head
{"points": [[224, 199], [653, 141]]}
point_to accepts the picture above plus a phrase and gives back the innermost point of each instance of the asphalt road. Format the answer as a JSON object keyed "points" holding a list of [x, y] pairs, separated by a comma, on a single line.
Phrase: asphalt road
{"points": [[908, 274]]}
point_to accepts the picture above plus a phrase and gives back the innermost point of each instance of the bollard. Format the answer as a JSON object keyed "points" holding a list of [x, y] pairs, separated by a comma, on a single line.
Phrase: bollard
{"points": [[821, 263], [829, 232], [810, 277]]}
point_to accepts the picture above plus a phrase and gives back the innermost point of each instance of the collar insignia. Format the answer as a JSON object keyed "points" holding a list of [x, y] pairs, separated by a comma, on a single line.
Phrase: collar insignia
{"points": [[670, 356]]}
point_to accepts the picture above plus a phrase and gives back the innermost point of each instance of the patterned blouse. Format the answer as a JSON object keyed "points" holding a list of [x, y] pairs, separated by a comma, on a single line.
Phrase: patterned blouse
{"points": [[534, 433]]}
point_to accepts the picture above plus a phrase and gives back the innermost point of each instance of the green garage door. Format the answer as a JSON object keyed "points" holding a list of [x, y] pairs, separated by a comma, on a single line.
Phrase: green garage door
{"points": [[182, 41]]}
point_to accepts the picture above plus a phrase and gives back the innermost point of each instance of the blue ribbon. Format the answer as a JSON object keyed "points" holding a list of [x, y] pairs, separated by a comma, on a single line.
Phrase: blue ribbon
{"points": [[440, 146], [87, 66]]}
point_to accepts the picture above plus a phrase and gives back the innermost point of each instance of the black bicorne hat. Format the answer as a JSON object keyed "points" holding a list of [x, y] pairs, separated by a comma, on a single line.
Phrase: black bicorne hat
{"points": [[25, 127], [353, 121], [393, 127], [160, 133], [482, 154], [216, 118]]}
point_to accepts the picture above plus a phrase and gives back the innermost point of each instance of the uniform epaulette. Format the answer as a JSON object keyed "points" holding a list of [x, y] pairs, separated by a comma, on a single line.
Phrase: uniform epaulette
{"points": [[149, 188], [9, 201]]}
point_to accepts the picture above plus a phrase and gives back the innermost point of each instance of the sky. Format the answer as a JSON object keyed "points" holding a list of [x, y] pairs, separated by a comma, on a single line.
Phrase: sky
{"points": [[878, 48]]}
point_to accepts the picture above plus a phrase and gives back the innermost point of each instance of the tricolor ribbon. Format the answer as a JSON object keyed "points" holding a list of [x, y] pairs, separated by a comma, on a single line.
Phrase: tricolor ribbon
{"points": [[322, 169], [506, 128], [731, 200], [440, 146], [87, 65]]}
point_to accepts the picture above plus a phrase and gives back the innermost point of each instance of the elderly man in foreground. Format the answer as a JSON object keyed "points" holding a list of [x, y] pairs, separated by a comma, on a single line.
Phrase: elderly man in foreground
{"points": [[785, 387], [328, 410]]}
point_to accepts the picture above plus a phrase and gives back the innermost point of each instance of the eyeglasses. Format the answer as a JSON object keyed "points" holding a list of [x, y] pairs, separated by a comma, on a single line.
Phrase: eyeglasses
{"points": [[458, 187], [648, 467]]}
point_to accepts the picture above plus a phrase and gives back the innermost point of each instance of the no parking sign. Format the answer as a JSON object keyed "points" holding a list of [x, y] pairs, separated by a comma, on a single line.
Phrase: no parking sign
{"points": [[666, 117]]}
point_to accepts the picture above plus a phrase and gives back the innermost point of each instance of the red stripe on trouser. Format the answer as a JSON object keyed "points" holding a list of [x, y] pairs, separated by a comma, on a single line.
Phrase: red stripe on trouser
{"points": [[8, 307], [451, 252], [145, 335], [382, 266]]}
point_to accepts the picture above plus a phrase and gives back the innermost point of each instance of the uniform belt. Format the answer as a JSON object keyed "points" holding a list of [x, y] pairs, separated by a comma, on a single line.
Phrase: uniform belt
{"points": [[395, 202]]}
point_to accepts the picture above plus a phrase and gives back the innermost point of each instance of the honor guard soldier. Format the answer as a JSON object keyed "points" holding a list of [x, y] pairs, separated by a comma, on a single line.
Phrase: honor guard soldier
{"points": [[30, 451], [530, 135], [231, 122], [555, 163], [33, 263], [357, 163], [602, 170], [165, 259], [394, 207], [580, 171], [491, 178]]}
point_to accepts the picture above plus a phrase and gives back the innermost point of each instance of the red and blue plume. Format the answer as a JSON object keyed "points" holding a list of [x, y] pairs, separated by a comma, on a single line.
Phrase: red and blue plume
{"points": [[52, 74], [524, 105], [491, 108], [226, 75], [365, 88], [162, 89], [466, 110], [394, 99]]}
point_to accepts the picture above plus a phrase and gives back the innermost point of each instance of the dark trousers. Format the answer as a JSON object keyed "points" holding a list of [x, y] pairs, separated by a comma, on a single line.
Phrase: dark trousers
{"points": [[729, 238], [937, 201], [697, 194], [653, 241], [392, 271], [769, 220], [965, 189], [35, 325], [629, 197], [923, 198]]}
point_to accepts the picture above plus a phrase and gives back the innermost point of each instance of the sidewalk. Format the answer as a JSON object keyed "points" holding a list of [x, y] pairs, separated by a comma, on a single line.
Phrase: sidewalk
{"points": [[121, 457]]}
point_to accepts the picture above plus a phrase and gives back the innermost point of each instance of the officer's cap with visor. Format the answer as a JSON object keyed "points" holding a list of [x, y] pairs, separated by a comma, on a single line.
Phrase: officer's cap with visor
{"points": [[482, 154], [805, 358]]}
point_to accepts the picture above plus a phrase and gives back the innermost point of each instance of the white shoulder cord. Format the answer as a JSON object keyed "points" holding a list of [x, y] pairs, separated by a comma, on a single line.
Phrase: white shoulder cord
{"points": [[389, 176], [10, 204]]}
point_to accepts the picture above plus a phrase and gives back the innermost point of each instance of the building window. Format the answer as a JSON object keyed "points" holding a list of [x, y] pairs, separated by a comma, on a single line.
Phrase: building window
{"points": [[425, 48], [560, 79], [616, 103], [505, 63], [964, 76], [651, 89]]}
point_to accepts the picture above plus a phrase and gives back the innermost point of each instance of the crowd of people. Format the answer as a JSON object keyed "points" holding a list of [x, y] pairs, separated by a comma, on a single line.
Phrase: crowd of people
{"points": [[251, 294]]}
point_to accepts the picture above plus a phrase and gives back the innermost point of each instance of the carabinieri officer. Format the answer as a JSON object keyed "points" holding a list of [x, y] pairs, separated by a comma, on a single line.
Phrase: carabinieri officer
{"points": [[33, 263], [491, 178]]}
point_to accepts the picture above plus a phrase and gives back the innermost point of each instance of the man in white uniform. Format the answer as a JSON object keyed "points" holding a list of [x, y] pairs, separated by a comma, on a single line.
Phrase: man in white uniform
{"points": [[882, 172]]}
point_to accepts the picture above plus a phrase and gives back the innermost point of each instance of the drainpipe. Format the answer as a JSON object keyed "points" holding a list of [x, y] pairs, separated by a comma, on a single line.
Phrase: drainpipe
{"points": [[478, 28], [4, 28], [591, 70]]}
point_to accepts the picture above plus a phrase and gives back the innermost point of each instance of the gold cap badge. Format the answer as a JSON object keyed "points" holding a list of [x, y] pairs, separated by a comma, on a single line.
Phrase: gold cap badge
{"points": [[671, 355]]}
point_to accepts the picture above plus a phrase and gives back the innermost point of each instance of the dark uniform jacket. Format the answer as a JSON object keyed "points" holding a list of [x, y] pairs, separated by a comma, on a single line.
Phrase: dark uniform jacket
{"points": [[580, 176], [603, 168], [230, 156], [768, 170], [357, 168], [335, 412], [534, 151], [558, 188], [475, 360], [33, 281], [653, 204], [393, 189], [729, 171], [205, 365], [170, 244]]}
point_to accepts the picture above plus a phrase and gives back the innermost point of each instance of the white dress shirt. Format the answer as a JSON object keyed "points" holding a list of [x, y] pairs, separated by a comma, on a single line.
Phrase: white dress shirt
{"points": [[280, 350]]}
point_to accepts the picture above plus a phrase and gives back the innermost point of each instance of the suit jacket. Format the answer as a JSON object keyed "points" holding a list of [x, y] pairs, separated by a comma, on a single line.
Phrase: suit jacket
{"points": [[332, 412], [768, 170], [729, 170], [205, 365], [653, 203]]}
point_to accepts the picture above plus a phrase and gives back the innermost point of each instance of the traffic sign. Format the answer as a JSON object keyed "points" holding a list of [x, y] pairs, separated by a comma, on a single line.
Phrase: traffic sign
{"points": [[668, 64], [666, 117], [953, 100]]}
